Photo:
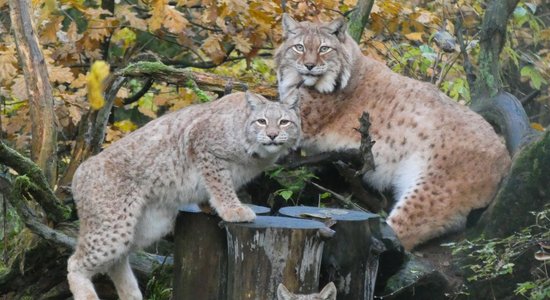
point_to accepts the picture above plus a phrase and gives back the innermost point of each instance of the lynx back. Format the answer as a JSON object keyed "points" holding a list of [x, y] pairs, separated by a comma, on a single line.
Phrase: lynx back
{"points": [[128, 195], [440, 159]]}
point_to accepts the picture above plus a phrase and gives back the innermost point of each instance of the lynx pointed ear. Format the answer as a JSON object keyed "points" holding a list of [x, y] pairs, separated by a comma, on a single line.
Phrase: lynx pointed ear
{"points": [[289, 26], [292, 99], [253, 100], [328, 292], [283, 293], [339, 28]]}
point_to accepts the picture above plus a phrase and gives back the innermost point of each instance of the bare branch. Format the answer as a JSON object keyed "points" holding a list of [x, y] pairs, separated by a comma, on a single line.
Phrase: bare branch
{"points": [[211, 82], [44, 129]]}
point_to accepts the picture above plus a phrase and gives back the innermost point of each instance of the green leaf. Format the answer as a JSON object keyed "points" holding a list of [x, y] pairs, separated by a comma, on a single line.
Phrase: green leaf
{"points": [[534, 76], [286, 194], [325, 195]]}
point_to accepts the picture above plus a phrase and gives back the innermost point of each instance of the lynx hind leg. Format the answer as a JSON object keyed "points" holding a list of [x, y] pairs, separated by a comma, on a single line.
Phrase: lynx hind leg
{"points": [[125, 282], [426, 210], [101, 249], [80, 280]]}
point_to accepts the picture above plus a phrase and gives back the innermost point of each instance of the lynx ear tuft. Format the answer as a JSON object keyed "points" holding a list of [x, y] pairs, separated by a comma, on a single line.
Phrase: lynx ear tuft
{"points": [[283, 292], [339, 28], [254, 100], [292, 100], [328, 292], [290, 26]]}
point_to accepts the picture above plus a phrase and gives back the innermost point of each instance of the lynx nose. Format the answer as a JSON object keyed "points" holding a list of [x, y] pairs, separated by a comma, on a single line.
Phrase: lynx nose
{"points": [[309, 66], [272, 136]]}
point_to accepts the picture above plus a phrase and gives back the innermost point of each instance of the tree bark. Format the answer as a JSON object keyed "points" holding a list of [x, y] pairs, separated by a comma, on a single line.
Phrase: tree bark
{"points": [[359, 18], [491, 40], [350, 258], [44, 134], [201, 244], [289, 251]]}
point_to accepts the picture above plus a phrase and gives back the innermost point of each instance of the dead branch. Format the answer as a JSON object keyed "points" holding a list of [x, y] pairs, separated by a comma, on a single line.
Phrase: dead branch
{"points": [[366, 144], [343, 200], [181, 77], [356, 186], [44, 129], [40, 189]]}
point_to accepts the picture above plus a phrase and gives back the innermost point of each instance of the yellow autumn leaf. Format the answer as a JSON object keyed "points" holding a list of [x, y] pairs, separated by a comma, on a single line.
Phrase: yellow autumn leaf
{"points": [[414, 36], [79, 82], [242, 44], [8, 61], [212, 47], [157, 14], [98, 72], [537, 126], [131, 17], [125, 125], [19, 88], [174, 21], [60, 74]]}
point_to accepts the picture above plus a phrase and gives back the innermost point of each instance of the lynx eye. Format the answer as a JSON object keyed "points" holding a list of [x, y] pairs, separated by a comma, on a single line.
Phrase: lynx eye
{"points": [[284, 122], [261, 121], [324, 49], [299, 48]]}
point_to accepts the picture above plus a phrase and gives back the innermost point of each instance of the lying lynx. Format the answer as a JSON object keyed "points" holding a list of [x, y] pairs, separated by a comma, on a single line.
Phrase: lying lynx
{"points": [[128, 195], [328, 293], [441, 159]]}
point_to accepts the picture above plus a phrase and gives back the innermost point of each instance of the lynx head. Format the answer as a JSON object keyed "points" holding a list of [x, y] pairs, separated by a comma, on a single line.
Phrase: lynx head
{"points": [[315, 53], [273, 126], [328, 293]]}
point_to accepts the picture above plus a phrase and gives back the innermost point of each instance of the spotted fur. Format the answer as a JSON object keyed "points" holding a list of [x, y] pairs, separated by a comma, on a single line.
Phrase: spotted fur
{"points": [[440, 159], [128, 195]]}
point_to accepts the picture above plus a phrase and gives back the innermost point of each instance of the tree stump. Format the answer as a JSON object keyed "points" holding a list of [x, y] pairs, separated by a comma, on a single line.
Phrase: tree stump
{"points": [[200, 258], [350, 258], [274, 250]]}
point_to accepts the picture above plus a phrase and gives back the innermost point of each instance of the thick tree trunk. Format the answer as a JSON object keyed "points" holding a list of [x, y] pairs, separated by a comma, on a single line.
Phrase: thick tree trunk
{"points": [[492, 38], [44, 134], [288, 250], [501, 109], [201, 244], [359, 18]]}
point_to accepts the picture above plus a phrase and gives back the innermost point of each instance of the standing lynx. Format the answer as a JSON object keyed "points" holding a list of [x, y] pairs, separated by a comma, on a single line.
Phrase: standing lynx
{"points": [[327, 293], [128, 195], [441, 159]]}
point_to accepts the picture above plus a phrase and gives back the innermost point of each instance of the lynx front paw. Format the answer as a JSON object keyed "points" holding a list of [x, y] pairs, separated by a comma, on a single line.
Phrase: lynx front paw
{"points": [[239, 213]]}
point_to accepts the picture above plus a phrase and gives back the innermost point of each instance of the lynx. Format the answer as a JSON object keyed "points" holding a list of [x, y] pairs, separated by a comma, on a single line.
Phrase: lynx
{"points": [[128, 195], [440, 158], [328, 293]]}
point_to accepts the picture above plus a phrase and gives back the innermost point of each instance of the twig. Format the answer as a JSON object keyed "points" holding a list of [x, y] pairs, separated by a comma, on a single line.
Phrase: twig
{"points": [[356, 186], [468, 68], [344, 201], [135, 97], [350, 156]]}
